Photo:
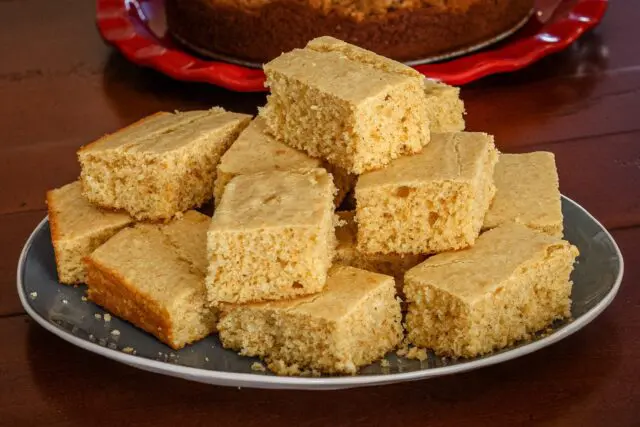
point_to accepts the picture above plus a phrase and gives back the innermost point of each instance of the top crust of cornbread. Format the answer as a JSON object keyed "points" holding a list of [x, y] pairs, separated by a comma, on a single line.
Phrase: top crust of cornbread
{"points": [[71, 216], [255, 151], [163, 132], [357, 54], [274, 199], [166, 272], [346, 289], [527, 193], [456, 156], [153, 275], [470, 274], [160, 166], [333, 71]]}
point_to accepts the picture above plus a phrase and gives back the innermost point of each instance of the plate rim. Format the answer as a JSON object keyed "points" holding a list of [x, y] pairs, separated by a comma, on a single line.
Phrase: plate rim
{"points": [[274, 381], [117, 28]]}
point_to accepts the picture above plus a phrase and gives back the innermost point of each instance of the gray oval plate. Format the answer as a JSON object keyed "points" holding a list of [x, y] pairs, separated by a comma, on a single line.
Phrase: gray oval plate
{"points": [[63, 311]]}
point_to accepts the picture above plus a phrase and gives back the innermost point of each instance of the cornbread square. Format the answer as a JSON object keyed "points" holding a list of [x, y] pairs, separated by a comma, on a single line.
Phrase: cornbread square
{"points": [[77, 229], [428, 202], [153, 276], [347, 105], [512, 283], [161, 165], [353, 322], [527, 192], [347, 253], [445, 109], [271, 237], [256, 151]]}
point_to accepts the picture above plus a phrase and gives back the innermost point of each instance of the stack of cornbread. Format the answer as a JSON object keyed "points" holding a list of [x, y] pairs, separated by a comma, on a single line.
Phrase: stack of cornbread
{"points": [[469, 239]]}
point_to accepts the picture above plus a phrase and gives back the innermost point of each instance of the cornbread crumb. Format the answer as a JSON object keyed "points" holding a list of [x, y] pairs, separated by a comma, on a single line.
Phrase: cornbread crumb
{"points": [[152, 275], [282, 368], [347, 253], [428, 202], [83, 298], [107, 317], [77, 229], [161, 165], [350, 106], [271, 237], [385, 363], [403, 349], [353, 322], [98, 316], [445, 109], [129, 350], [417, 353], [258, 367], [527, 193], [255, 151], [115, 333], [511, 284], [33, 295]]}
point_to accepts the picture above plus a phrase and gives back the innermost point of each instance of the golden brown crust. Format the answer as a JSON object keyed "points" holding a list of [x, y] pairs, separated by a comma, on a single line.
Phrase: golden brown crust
{"points": [[264, 31], [113, 292], [139, 122], [54, 228]]}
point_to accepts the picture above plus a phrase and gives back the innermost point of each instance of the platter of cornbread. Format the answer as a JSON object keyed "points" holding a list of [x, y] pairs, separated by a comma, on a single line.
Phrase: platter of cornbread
{"points": [[359, 236]]}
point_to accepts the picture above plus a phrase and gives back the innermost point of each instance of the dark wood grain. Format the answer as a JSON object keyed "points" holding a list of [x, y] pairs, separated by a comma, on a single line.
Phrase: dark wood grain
{"points": [[14, 230], [61, 87]]}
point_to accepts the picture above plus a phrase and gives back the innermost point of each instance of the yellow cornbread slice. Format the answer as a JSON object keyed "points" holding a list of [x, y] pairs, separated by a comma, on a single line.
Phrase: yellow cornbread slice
{"points": [[153, 276], [344, 104], [272, 236], [512, 283], [161, 165], [353, 322], [428, 202], [77, 229], [527, 192]]}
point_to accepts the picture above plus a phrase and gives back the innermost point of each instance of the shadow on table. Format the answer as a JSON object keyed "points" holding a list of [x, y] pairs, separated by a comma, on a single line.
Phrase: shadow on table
{"points": [[135, 91], [549, 385]]}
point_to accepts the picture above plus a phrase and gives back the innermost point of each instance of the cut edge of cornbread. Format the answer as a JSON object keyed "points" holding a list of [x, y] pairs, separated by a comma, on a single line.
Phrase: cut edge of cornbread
{"points": [[158, 182], [445, 109], [359, 132], [510, 309], [252, 262], [527, 193], [176, 318], [394, 265], [69, 251], [403, 209], [288, 334]]}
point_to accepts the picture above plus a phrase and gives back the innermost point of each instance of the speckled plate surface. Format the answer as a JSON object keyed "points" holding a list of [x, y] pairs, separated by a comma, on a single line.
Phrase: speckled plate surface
{"points": [[63, 311]]}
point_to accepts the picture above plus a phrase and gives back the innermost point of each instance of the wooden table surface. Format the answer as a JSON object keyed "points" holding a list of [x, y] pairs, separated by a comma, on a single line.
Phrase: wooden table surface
{"points": [[61, 87]]}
